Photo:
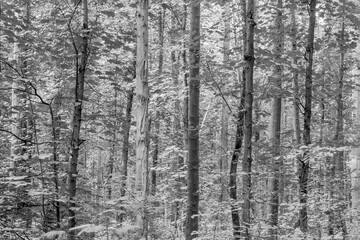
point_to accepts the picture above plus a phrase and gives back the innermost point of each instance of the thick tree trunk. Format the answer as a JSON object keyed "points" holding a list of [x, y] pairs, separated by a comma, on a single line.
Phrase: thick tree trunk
{"points": [[304, 162], [275, 128], [192, 224], [75, 138], [142, 103], [248, 124]]}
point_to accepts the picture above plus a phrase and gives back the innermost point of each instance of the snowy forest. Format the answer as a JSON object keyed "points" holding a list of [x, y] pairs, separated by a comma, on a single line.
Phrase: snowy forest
{"points": [[179, 119]]}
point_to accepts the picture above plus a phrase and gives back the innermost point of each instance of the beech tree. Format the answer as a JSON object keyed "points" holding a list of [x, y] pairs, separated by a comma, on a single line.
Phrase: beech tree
{"points": [[142, 104]]}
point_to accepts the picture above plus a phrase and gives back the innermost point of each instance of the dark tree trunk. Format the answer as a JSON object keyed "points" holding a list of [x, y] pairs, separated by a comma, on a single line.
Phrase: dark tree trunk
{"points": [[192, 224], [75, 138], [275, 128], [248, 124], [304, 162]]}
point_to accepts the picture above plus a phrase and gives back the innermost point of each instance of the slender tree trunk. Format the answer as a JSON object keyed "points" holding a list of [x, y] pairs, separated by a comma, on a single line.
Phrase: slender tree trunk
{"points": [[275, 131], [178, 162], [185, 75], [339, 196], [55, 118], [233, 165], [296, 96], [75, 138], [155, 154], [112, 150], [223, 162], [192, 225], [142, 103], [126, 143], [247, 160], [235, 218], [304, 162]]}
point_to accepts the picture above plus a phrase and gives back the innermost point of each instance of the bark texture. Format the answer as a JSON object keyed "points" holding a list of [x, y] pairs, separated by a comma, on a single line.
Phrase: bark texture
{"points": [[142, 103], [249, 59], [192, 223]]}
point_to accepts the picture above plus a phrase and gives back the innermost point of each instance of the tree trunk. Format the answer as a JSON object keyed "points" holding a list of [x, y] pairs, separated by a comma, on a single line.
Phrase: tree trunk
{"points": [[304, 162], [233, 165], [75, 138], [192, 224], [247, 160], [142, 103], [296, 97], [155, 155], [275, 128], [185, 75], [112, 152], [338, 196], [126, 144]]}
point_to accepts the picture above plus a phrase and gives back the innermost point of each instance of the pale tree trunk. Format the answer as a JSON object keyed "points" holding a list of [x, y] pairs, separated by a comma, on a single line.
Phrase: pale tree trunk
{"points": [[248, 124], [296, 96], [339, 196], [76, 121], [223, 161], [304, 162], [275, 128], [142, 118], [192, 224]]}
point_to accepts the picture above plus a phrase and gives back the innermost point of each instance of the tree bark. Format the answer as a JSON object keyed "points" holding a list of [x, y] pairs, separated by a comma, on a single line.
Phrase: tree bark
{"points": [[233, 165], [126, 142], [296, 96], [192, 224], [304, 162], [142, 103], [275, 128], [77, 114], [249, 59]]}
